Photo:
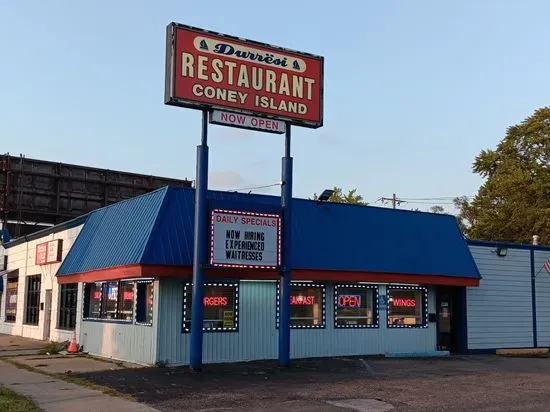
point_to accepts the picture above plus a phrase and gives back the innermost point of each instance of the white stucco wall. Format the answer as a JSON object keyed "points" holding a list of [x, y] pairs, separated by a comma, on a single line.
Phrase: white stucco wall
{"points": [[22, 257]]}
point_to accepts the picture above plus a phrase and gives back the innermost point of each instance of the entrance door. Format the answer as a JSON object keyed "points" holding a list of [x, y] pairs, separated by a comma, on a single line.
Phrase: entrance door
{"points": [[47, 314], [450, 319]]}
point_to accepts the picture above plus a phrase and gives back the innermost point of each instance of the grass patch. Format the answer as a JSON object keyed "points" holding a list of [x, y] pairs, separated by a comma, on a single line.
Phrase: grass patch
{"points": [[11, 401], [53, 348], [72, 379]]}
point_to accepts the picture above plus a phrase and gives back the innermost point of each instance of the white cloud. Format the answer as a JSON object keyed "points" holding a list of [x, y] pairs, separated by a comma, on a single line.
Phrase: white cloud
{"points": [[226, 180], [231, 180]]}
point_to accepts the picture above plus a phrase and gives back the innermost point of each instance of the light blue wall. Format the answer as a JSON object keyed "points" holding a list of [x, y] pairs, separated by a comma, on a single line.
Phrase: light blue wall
{"points": [[542, 288], [499, 310], [257, 337], [119, 340]]}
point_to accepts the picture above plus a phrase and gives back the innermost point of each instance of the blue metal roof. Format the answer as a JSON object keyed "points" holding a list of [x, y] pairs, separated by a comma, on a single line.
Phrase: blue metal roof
{"points": [[115, 235], [157, 228]]}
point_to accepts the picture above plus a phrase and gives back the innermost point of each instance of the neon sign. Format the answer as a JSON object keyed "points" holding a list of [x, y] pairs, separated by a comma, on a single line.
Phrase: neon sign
{"points": [[302, 300], [215, 301], [349, 301], [410, 303]]}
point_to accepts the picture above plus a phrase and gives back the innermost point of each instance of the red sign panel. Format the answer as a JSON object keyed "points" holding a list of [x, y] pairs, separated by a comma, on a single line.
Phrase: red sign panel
{"points": [[208, 70], [41, 253], [48, 252]]}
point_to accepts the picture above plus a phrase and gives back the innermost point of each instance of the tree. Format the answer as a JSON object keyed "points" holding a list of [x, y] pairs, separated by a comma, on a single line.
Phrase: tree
{"points": [[437, 209], [339, 196], [513, 204]]}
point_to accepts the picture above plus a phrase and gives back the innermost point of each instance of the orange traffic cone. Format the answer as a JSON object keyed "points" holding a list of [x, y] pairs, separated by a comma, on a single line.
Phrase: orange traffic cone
{"points": [[73, 347]]}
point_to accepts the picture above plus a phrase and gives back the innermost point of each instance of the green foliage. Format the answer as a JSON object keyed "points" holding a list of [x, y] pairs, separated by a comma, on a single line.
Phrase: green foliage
{"points": [[437, 209], [514, 202], [339, 196], [53, 348], [10, 401]]}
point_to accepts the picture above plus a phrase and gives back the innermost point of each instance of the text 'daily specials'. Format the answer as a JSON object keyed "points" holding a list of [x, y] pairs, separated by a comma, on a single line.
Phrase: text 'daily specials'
{"points": [[212, 70], [245, 239]]}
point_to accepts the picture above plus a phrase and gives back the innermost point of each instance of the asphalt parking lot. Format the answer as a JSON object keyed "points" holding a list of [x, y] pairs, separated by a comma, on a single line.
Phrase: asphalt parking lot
{"points": [[461, 383]]}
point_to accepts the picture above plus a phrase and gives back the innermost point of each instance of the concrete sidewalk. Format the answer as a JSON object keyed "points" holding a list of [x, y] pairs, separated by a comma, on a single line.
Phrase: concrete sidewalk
{"points": [[52, 394], [16, 345]]}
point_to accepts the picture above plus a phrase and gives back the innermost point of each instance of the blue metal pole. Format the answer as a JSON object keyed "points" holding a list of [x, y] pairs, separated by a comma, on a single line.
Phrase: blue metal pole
{"points": [[199, 249], [534, 298], [284, 301]]}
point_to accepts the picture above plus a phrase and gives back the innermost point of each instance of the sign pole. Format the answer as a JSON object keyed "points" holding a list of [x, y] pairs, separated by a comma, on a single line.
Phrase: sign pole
{"points": [[199, 249], [284, 301]]}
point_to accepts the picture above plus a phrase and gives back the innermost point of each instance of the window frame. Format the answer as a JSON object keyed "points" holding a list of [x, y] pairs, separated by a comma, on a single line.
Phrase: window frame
{"points": [[424, 295], [323, 288], [67, 309], [32, 311], [375, 305], [235, 285], [138, 303], [86, 303], [7, 295]]}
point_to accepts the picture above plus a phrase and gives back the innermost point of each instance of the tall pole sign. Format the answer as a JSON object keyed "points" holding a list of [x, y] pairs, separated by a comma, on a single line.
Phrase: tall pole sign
{"points": [[247, 84]]}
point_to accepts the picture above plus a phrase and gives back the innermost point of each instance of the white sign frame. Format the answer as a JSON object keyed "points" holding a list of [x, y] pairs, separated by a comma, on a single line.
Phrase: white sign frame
{"points": [[246, 121], [270, 242]]}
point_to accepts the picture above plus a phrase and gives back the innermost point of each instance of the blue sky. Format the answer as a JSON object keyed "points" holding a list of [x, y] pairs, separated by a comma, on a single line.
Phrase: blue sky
{"points": [[413, 90]]}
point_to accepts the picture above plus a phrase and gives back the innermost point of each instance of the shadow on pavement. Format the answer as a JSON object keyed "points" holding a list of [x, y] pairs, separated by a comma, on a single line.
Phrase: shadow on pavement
{"points": [[408, 384]]}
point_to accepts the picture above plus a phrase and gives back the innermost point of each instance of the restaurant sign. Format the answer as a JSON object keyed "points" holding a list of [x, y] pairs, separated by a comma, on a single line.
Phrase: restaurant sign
{"points": [[244, 239], [207, 70]]}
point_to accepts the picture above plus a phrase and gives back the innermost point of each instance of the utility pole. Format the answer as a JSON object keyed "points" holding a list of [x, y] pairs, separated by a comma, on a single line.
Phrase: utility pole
{"points": [[395, 201]]}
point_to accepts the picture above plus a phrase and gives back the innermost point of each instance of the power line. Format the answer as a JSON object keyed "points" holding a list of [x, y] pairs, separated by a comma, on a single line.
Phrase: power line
{"points": [[429, 203], [255, 187], [436, 198], [436, 201], [394, 200]]}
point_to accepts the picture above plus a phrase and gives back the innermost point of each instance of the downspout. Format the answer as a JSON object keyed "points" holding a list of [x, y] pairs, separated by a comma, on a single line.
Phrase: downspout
{"points": [[533, 291]]}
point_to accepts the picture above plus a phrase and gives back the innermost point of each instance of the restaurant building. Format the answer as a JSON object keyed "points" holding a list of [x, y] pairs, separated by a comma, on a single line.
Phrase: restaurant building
{"points": [[366, 281]]}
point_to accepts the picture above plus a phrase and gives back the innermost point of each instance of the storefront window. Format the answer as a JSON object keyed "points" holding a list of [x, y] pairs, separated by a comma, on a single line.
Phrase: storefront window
{"points": [[11, 299], [67, 306], [355, 306], [32, 300], [113, 300], [144, 306], [94, 299], [307, 305], [110, 300], [221, 306], [125, 309], [407, 307]]}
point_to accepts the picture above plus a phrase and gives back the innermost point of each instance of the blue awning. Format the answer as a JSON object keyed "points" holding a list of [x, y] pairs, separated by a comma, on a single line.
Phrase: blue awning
{"points": [[157, 229]]}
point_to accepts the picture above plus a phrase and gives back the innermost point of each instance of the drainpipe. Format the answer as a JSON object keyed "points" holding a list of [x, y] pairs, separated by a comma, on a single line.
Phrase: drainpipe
{"points": [[533, 291]]}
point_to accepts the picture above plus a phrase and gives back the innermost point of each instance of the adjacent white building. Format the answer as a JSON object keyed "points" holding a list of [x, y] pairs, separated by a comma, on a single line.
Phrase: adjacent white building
{"points": [[32, 303]]}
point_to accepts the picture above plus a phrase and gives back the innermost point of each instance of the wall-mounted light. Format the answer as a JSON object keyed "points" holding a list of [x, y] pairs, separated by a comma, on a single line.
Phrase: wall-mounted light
{"points": [[502, 251], [327, 193]]}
